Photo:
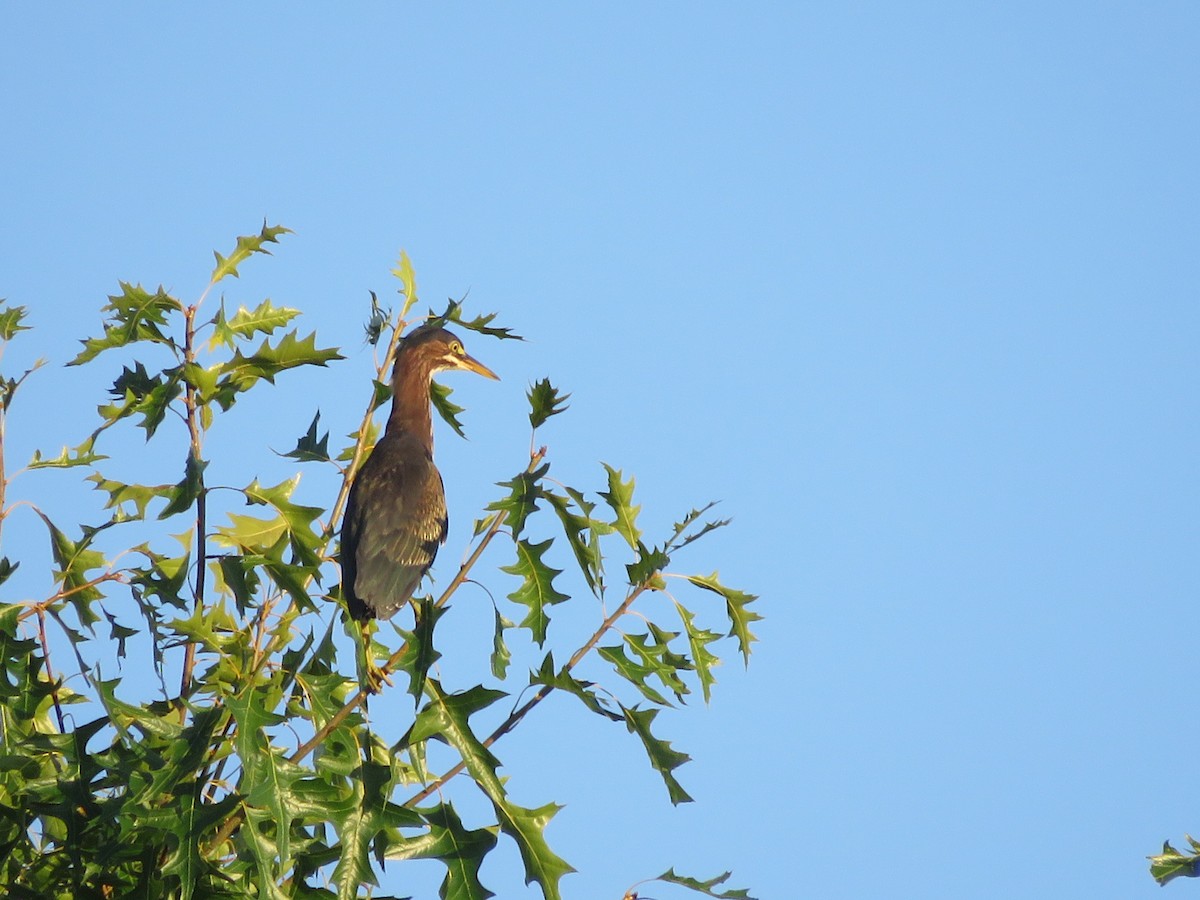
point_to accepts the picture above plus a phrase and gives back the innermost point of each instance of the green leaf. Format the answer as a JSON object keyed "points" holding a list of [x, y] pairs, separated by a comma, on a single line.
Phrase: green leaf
{"points": [[480, 324], [75, 561], [10, 320], [418, 664], [582, 532], [459, 849], [408, 282], [705, 887], [181, 497], [379, 318], [83, 455], [651, 656], [736, 605], [446, 717], [563, 680], [439, 396], [501, 656], [521, 501], [545, 401], [246, 246], [309, 448], [682, 526], [302, 535], [136, 315], [663, 758], [698, 641], [646, 569], [1172, 864], [633, 672], [619, 498], [265, 318], [241, 372], [537, 591], [527, 827], [140, 392], [7, 568]]}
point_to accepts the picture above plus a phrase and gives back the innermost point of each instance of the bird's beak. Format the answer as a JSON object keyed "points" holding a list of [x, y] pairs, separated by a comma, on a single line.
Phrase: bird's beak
{"points": [[471, 364]]}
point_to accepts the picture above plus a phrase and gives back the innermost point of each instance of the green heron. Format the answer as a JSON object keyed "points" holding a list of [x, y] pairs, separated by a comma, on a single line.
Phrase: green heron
{"points": [[396, 513]]}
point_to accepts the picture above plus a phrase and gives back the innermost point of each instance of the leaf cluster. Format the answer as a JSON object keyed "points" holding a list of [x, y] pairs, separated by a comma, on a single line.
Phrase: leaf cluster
{"points": [[243, 761]]}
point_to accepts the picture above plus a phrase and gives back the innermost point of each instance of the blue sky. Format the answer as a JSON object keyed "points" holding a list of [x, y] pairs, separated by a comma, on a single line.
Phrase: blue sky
{"points": [[910, 288]]}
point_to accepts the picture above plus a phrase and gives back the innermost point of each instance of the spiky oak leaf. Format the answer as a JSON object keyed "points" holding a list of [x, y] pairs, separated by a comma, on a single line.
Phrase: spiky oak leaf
{"points": [[646, 569], [10, 321], [240, 372], [75, 562], [537, 592], [674, 543], [446, 717], [527, 827], [408, 282], [480, 324], [545, 401], [439, 396], [633, 672], [737, 606], [83, 455], [563, 680], [1171, 864], [662, 756], [7, 567], [299, 519], [136, 316], [246, 246], [459, 849], [705, 887], [619, 498], [265, 318], [310, 448], [582, 533], [524, 491], [181, 496], [699, 640], [501, 656]]}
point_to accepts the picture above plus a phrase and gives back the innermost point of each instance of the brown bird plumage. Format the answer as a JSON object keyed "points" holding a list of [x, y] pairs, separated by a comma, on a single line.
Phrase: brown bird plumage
{"points": [[396, 514]]}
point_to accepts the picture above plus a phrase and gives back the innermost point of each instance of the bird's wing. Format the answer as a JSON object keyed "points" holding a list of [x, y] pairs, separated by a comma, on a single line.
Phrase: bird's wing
{"points": [[395, 521]]}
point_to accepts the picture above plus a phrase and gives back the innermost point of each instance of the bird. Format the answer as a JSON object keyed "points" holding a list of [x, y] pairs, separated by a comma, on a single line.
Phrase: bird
{"points": [[396, 518]]}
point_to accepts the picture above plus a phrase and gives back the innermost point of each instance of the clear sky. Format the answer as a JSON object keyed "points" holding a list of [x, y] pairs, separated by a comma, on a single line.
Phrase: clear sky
{"points": [[910, 288]]}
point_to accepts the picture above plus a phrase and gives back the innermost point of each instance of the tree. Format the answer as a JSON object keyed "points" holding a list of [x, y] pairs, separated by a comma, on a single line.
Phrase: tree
{"points": [[239, 760]]}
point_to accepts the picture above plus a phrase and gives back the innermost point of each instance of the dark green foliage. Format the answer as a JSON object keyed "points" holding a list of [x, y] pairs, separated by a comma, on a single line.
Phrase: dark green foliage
{"points": [[236, 758]]}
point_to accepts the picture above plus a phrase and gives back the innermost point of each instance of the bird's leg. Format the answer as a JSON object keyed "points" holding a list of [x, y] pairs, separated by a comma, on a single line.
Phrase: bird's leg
{"points": [[371, 677]]}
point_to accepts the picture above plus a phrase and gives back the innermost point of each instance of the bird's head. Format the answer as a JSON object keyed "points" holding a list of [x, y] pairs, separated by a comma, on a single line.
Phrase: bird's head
{"points": [[433, 349]]}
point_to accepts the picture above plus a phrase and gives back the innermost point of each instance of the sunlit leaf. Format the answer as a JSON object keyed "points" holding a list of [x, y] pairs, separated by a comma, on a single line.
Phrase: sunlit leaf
{"points": [[521, 501], [310, 448], [537, 592], [708, 888], [439, 396], [265, 318], [135, 315], [246, 246], [663, 757], [10, 320], [619, 498], [545, 401], [737, 606]]}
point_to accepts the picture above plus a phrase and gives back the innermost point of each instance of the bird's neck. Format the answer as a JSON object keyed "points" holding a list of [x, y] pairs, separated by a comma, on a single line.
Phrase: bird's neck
{"points": [[410, 406]]}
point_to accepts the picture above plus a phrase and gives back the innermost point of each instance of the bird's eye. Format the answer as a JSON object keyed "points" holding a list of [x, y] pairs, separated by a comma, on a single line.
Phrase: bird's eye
{"points": [[456, 348]]}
